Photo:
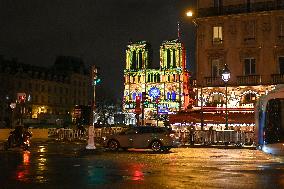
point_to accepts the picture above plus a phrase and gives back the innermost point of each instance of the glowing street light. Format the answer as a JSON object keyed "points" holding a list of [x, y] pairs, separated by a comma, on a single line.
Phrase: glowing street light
{"points": [[189, 13], [192, 18], [226, 75]]}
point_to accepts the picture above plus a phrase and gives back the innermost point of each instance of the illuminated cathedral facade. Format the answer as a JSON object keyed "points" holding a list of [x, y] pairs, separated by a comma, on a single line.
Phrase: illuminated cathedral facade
{"points": [[166, 88]]}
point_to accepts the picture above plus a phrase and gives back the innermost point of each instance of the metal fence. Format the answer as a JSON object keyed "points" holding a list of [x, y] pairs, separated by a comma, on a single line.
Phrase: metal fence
{"points": [[76, 134], [208, 137], [203, 137]]}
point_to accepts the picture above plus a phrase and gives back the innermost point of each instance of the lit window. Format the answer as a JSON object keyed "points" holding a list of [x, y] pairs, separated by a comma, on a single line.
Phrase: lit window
{"points": [[215, 99], [168, 95], [248, 98], [133, 96], [249, 66], [168, 58], [173, 96], [217, 35]]}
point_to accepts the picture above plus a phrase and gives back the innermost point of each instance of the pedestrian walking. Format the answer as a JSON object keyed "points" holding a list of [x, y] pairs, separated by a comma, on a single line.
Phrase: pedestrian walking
{"points": [[191, 134]]}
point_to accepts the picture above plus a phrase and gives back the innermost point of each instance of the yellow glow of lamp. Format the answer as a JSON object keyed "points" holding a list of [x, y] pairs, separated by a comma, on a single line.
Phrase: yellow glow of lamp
{"points": [[226, 75], [189, 13]]}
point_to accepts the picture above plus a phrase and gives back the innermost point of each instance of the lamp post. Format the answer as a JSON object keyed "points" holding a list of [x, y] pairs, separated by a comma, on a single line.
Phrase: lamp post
{"points": [[191, 15], [226, 74], [94, 80]]}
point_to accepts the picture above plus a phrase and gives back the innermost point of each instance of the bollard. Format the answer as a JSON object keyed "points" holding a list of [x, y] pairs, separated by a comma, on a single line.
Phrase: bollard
{"points": [[91, 143]]}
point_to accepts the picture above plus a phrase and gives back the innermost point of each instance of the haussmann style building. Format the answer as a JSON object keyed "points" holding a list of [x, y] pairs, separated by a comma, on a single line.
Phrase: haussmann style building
{"points": [[43, 94], [248, 36]]}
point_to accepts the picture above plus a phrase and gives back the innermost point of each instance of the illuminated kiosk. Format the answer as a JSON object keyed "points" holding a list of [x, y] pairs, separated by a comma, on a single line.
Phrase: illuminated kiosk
{"points": [[165, 89]]}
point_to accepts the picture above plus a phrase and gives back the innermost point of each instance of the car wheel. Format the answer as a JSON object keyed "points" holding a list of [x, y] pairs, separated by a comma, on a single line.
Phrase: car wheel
{"points": [[113, 145], [156, 146]]}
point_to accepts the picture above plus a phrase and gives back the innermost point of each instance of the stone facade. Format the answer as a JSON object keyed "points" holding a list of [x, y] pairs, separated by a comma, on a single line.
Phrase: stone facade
{"points": [[50, 92], [248, 36], [167, 86]]}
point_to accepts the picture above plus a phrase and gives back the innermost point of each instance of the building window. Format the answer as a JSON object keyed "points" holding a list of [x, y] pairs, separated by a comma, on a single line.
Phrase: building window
{"points": [[248, 5], [168, 95], [133, 62], [217, 3], [249, 98], [279, 3], [249, 66], [216, 67], [215, 100], [140, 60], [217, 35], [174, 59], [173, 96], [168, 58], [281, 64], [133, 96], [250, 30], [281, 29]]}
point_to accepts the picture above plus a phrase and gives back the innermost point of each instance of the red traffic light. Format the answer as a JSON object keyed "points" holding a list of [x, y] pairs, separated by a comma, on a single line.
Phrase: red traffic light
{"points": [[22, 98], [138, 99]]}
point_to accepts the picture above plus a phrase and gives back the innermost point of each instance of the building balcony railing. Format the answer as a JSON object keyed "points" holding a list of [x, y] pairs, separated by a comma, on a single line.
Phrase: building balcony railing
{"points": [[241, 8], [277, 78], [214, 81], [249, 80]]}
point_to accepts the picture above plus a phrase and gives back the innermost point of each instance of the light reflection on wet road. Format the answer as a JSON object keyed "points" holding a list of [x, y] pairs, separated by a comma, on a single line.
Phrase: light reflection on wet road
{"points": [[57, 165]]}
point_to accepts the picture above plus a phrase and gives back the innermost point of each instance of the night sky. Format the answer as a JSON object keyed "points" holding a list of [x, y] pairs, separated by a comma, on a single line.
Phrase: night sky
{"points": [[36, 31]]}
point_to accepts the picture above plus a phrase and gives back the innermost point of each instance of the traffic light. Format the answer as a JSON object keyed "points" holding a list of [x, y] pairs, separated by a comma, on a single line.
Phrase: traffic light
{"points": [[97, 81], [138, 101], [21, 97]]}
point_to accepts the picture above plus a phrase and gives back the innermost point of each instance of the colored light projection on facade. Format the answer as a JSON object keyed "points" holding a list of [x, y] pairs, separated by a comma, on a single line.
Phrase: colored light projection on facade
{"points": [[167, 86]]}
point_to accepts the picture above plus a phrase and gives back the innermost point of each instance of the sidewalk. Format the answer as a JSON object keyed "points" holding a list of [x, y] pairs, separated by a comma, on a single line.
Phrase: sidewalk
{"points": [[220, 146]]}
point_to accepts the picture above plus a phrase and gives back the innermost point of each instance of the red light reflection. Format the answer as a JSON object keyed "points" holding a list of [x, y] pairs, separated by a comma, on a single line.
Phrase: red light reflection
{"points": [[136, 170], [23, 170]]}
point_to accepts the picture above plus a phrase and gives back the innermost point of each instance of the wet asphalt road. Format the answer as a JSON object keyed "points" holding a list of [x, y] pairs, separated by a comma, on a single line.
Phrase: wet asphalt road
{"points": [[65, 165]]}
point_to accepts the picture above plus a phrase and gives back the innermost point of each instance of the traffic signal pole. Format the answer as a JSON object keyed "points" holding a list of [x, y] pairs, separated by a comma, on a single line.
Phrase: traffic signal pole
{"points": [[143, 113], [143, 101]]}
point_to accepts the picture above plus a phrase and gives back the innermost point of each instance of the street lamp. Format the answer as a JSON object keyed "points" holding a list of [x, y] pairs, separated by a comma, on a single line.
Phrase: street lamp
{"points": [[226, 74], [191, 15]]}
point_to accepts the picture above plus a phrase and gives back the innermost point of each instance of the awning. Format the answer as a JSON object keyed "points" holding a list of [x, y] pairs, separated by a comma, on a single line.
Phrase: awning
{"points": [[217, 118]]}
